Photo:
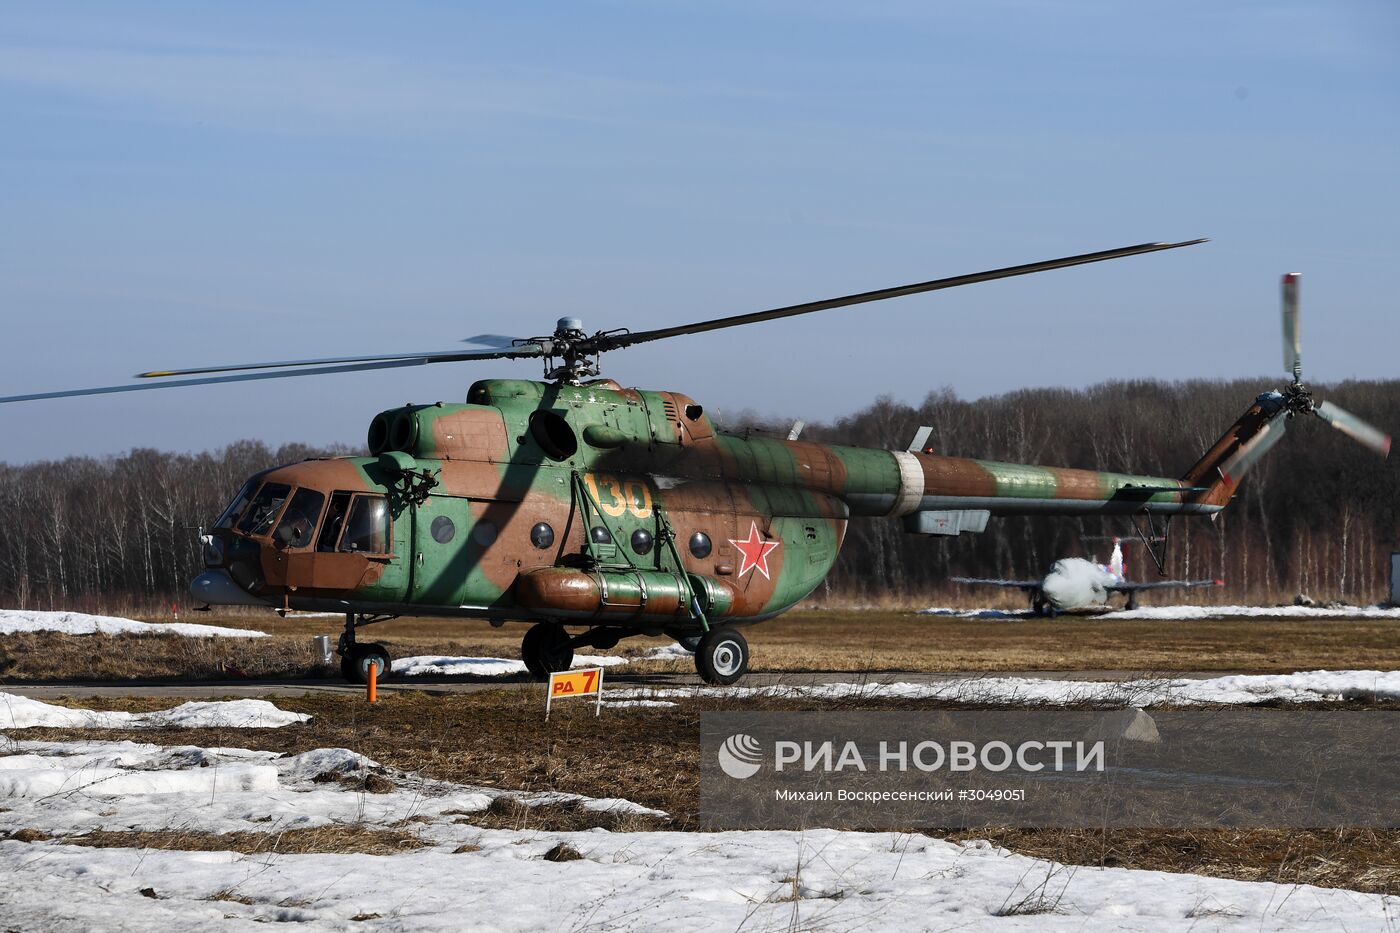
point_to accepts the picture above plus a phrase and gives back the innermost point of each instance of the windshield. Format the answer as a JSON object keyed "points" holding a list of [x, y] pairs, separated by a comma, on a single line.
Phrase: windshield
{"points": [[230, 515], [262, 513]]}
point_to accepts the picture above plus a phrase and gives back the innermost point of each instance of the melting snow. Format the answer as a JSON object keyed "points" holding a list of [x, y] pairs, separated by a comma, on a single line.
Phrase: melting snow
{"points": [[437, 666], [13, 621], [1302, 687], [500, 879], [1186, 613], [17, 712]]}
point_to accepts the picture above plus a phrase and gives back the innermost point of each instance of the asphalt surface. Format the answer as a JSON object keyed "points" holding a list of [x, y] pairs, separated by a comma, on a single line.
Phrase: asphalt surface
{"points": [[281, 688]]}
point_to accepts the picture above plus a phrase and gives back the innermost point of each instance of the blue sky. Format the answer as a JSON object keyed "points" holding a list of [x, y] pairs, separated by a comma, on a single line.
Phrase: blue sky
{"points": [[187, 184]]}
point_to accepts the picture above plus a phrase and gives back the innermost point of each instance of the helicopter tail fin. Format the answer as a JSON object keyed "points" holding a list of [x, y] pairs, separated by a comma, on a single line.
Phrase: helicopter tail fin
{"points": [[1224, 465]]}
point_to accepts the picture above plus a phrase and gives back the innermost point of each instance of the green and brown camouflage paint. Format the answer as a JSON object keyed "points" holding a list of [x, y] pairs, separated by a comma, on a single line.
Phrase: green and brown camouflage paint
{"points": [[520, 454]]}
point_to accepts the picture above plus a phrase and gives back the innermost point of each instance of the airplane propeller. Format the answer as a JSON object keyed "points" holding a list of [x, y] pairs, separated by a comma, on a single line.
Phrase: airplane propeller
{"points": [[1299, 399], [570, 354]]}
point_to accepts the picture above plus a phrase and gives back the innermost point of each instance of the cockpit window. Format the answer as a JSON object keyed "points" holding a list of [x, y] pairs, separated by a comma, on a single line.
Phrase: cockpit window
{"points": [[335, 521], [262, 513], [367, 528], [230, 515], [298, 523]]}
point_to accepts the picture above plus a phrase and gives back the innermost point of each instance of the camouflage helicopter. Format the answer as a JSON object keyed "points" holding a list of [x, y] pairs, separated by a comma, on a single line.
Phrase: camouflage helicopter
{"points": [[598, 513]]}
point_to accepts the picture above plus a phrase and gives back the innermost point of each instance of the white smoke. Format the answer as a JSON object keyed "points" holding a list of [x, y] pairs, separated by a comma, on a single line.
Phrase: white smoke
{"points": [[1075, 583]]}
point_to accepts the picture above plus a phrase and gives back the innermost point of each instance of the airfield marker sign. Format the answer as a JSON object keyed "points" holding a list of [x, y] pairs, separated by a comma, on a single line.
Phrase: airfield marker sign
{"points": [[572, 684]]}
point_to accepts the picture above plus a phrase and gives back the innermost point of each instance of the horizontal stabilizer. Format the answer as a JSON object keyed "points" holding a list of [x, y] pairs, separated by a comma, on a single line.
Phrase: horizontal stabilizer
{"points": [[1163, 585], [1007, 584]]}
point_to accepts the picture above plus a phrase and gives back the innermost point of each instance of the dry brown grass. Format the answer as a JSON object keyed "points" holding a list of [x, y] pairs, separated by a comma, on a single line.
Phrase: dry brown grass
{"points": [[134, 658], [317, 840], [510, 813], [650, 755], [1359, 859], [863, 642]]}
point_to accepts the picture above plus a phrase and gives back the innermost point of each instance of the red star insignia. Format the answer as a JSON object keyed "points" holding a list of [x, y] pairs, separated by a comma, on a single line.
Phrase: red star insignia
{"points": [[755, 551]]}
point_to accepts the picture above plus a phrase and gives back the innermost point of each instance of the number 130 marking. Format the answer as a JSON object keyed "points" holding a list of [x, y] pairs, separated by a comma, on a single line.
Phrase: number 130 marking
{"points": [[623, 495]]}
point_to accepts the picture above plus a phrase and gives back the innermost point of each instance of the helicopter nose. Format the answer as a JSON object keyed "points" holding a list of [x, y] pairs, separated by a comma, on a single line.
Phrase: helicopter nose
{"points": [[217, 588]]}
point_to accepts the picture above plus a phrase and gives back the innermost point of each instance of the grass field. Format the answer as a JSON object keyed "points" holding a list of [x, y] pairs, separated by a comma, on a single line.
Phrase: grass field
{"points": [[650, 755], [869, 642]]}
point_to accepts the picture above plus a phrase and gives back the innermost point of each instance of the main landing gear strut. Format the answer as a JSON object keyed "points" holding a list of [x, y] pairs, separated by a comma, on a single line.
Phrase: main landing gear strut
{"points": [[721, 654], [356, 658]]}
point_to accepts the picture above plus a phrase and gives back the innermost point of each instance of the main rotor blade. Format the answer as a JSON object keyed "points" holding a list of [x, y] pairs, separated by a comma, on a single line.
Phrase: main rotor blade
{"points": [[279, 371], [499, 341], [1355, 428], [214, 380], [438, 356], [1292, 337], [614, 341]]}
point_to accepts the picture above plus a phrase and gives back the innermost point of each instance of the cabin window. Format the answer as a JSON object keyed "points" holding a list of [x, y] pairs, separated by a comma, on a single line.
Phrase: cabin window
{"points": [[484, 534], [261, 515], [298, 524], [542, 536], [335, 521], [443, 529], [600, 535], [700, 545], [641, 541], [230, 514], [367, 528]]}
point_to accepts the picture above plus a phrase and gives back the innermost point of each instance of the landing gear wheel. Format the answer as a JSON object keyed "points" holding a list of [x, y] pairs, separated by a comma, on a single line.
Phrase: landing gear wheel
{"points": [[722, 656], [355, 663], [546, 650]]}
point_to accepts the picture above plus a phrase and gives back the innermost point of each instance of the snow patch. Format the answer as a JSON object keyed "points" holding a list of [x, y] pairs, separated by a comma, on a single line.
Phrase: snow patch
{"points": [[1189, 613], [675, 651], [13, 621], [1257, 612], [17, 712], [440, 666], [470, 876], [1237, 689]]}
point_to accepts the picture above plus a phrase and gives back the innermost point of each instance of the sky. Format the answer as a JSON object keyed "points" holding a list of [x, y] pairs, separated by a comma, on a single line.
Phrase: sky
{"points": [[196, 184]]}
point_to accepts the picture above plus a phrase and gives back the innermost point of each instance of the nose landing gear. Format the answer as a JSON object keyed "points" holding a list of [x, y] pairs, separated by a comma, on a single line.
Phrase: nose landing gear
{"points": [[355, 658]]}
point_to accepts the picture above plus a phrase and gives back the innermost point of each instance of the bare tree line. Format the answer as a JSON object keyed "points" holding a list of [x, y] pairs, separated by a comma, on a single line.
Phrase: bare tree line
{"points": [[1319, 515]]}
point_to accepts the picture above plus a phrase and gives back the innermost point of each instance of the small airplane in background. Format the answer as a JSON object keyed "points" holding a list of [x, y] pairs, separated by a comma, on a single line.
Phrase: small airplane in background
{"points": [[1078, 585]]}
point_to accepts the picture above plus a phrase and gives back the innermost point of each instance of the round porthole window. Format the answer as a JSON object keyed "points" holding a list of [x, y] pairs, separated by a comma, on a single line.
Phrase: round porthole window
{"points": [[600, 535], [641, 541], [443, 530], [700, 544], [542, 536], [484, 534]]}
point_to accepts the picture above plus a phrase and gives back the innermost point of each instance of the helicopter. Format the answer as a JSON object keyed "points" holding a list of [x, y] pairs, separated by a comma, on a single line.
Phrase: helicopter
{"points": [[596, 512]]}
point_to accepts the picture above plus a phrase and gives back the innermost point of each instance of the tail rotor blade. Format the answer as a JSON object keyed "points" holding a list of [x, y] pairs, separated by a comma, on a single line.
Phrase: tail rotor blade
{"points": [[1248, 454], [1355, 428], [1292, 338]]}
